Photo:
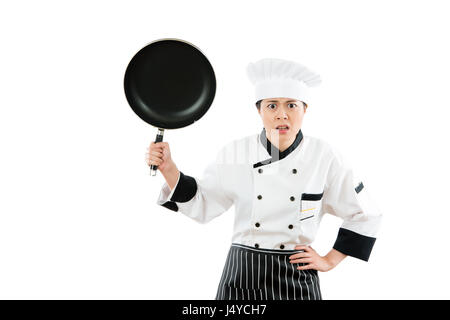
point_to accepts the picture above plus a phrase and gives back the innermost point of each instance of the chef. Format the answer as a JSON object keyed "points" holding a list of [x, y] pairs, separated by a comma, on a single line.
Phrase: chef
{"points": [[281, 183]]}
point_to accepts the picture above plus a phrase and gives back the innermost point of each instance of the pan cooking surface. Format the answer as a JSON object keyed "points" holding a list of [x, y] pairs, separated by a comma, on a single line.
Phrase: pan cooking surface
{"points": [[169, 84]]}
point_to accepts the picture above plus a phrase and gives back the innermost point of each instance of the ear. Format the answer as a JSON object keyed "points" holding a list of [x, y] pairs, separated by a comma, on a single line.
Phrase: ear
{"points": [[259, 111]]}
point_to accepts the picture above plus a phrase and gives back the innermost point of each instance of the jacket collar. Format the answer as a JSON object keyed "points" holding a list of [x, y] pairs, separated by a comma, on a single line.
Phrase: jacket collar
{"points": [[273, 151]]}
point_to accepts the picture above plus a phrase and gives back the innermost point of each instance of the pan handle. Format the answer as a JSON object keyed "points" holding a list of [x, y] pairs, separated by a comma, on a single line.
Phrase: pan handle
{"points": [[159, 138]]}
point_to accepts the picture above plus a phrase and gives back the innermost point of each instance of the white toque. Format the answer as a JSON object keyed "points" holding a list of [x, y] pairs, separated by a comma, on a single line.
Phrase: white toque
{"points": [[277, 78]]}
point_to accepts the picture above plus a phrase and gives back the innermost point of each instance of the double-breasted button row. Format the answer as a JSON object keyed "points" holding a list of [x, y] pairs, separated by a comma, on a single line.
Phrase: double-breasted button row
{"points": [[292, 198]]}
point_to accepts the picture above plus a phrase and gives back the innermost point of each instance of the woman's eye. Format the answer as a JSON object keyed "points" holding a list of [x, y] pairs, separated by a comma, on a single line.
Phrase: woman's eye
{"points": [[292, 104], [272, 104]]}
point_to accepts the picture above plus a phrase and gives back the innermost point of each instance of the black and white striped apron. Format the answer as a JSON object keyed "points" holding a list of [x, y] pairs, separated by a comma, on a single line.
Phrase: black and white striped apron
{"points": [[266, 274]]}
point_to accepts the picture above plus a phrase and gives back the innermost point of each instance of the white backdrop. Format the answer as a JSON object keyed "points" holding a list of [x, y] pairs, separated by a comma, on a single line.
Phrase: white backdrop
{"points": [[78, 212]]}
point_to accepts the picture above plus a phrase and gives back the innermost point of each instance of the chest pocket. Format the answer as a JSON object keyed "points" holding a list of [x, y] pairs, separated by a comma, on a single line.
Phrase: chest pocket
{"points": [[310, 205]]}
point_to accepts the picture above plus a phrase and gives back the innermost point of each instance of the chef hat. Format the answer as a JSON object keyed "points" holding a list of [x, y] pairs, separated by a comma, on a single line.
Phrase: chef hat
{"points": [[275, 78]]}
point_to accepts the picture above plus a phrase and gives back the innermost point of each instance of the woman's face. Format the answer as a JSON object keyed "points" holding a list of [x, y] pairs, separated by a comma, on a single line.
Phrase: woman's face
{"points": [[276, 112]]}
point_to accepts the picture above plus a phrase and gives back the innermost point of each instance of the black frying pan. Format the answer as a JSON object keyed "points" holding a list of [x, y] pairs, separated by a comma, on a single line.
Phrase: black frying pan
{"points": [[169, 84]]}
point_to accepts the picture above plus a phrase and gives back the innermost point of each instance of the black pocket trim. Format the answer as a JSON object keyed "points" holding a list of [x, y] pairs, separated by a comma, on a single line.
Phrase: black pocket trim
{"points": [[306, 218], [312, 196]]}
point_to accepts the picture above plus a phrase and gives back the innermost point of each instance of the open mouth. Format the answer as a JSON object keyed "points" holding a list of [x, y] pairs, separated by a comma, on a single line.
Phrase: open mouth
{"points": [[282, 127]]}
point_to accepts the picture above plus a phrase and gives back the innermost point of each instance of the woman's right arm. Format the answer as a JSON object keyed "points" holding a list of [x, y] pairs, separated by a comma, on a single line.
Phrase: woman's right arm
{"points": [[200, 199]]}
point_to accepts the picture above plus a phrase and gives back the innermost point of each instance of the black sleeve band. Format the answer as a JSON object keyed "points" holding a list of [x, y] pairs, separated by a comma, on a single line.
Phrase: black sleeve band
{"points": [[354, 244], [170, 205], [185, 189]]}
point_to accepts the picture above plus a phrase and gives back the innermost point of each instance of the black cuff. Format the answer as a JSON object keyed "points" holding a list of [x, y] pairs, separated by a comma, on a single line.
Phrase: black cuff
{"points": [[170, 205], [185, 189], [354, 244]]}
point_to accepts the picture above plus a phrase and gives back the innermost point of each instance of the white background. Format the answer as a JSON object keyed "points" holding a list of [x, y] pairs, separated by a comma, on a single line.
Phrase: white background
{"points": [[78, 212]]}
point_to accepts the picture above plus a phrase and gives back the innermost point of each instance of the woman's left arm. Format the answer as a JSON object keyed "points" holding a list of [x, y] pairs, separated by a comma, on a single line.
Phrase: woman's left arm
{"points": [[345, 196]]}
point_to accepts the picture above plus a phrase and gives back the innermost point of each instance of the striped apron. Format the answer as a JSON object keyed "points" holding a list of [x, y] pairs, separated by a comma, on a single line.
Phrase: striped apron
{"points": [[266, 274]]}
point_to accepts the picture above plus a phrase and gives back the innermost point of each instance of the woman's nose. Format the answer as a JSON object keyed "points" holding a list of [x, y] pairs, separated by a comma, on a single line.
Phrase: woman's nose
{"points": [[281, 114]]}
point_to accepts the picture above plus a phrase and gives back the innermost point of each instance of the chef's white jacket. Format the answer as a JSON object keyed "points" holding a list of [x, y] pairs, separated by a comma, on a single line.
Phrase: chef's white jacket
{"points": [[280, 200]]}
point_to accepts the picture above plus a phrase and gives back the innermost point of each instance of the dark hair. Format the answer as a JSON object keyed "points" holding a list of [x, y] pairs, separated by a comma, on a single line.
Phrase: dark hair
{"points": [[258, 104]]}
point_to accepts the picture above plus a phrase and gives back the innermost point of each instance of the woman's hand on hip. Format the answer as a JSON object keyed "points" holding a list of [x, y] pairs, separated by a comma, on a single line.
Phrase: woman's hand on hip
{"points": [[312, 258]]}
